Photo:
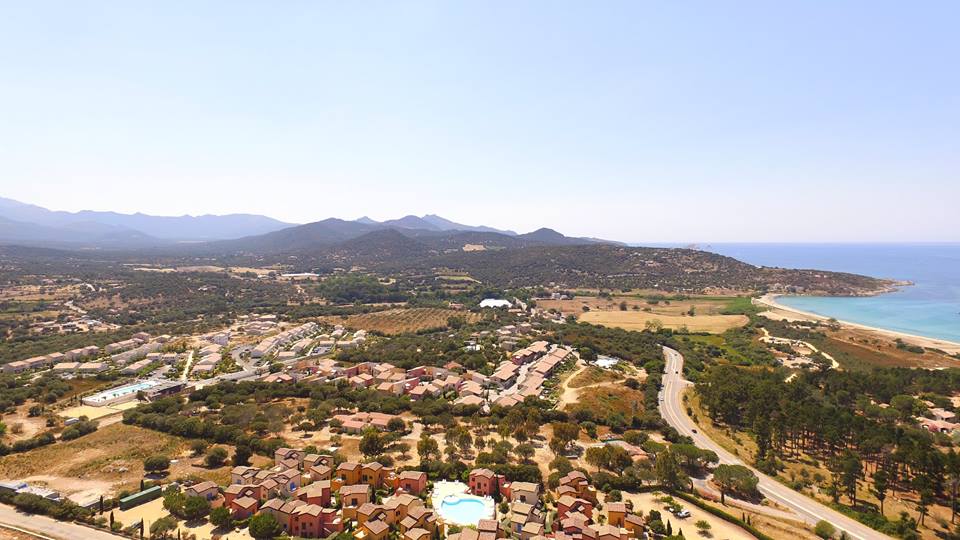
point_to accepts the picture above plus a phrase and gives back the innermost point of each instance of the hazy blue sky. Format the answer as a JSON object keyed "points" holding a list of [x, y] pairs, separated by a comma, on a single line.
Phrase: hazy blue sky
{"points": [[640, 121]]}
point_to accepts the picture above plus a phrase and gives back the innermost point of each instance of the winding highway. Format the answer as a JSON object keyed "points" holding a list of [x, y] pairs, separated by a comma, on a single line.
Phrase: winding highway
{"points": [[807, 509]]}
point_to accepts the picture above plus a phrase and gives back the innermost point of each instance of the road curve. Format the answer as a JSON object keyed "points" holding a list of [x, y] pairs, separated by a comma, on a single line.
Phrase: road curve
{"points": [[811, 511], [52, 528]]}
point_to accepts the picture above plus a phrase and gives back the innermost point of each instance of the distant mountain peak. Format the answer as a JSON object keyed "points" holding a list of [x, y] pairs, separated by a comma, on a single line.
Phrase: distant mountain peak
{"points": [[544, 232], [445, 224], [366, 221], [411, 222]]}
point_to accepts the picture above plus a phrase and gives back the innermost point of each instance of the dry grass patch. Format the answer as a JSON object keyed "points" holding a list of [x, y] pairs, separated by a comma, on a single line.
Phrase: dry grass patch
{"points": [[85, 385], [402, 320], [20, 425], [605, 400], [10, 534], [881, 351], [113, 454], [593, 375]]}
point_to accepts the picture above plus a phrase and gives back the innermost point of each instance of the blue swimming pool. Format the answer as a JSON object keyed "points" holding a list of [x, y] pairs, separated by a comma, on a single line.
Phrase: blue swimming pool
{"points": [[464, 509], [115, 394]]}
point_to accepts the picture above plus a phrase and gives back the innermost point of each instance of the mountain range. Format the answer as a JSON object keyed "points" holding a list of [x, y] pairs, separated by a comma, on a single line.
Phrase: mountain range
{"points": [[31, 225], [433, 222], [28, 224], [411, 245]]}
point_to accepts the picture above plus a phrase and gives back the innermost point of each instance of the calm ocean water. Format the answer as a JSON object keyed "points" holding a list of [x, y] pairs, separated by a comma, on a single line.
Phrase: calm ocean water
{"points": [[930, 308]]}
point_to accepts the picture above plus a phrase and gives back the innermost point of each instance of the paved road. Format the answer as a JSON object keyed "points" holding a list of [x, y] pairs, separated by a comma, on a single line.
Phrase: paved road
{"points": [[51, 527], [673, 411]]}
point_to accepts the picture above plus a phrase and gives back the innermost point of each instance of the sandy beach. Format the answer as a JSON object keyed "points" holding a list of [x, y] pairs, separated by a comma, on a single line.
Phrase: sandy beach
{"points": [[780, 311]]}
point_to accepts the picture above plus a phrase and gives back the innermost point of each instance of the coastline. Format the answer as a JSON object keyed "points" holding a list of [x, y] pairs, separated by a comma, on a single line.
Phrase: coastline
{"points": [[770, 301]]}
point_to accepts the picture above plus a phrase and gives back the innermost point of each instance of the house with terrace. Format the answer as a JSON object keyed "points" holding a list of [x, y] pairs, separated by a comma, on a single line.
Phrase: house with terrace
{"points": [[413, 482], [243, 507], [319, 493], [288, 457], [484, 482], [352, 497]]}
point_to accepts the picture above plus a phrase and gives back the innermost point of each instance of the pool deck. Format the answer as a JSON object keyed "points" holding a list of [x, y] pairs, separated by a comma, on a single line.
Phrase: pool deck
{"points": [[443, 489], [119, 394]]}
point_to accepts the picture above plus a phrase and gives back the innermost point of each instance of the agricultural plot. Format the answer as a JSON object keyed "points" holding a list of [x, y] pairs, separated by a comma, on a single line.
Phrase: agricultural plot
{"points": [[638, 320], [399, 321], [631, 312]]}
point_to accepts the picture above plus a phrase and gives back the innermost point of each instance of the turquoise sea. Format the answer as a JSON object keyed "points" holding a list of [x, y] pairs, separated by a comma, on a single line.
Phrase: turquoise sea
{"points": [[930, 307]]}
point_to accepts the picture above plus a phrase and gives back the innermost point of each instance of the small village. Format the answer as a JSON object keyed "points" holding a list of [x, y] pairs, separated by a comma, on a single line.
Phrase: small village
{"points": [[318, 495], [496, 428]]}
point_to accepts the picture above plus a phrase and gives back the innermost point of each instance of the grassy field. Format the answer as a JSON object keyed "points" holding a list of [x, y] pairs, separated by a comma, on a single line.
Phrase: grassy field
{"points": [[456, 277], [399, 321]]}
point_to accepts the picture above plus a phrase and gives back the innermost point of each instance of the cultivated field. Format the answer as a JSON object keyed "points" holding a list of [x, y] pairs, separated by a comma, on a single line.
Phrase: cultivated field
{"points": [[634, 312], [660, 304], [37, 293], [637, 320], [399, 321]]}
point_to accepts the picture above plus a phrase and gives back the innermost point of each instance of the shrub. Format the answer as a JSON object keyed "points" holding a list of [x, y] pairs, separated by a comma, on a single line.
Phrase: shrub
{"points": [[161, 528], [263, 526], [156, 463], [195, 507], [216, 458], [220, 517], [824, 529]]}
